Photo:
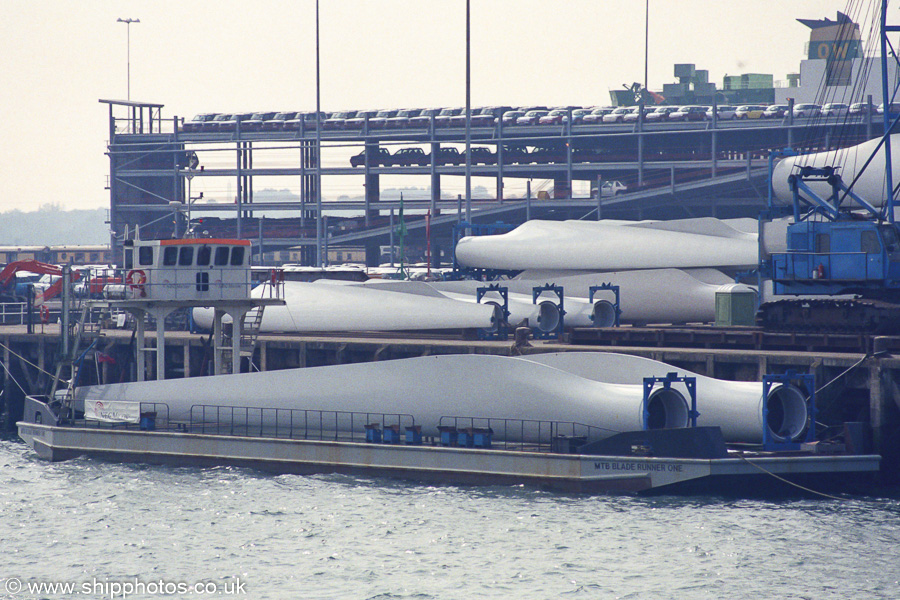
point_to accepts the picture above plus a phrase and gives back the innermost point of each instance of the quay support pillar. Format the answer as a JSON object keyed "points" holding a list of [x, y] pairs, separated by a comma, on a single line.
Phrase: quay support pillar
{"points": [[878, 394], [217, 341], [562, 188], [373, 194]]}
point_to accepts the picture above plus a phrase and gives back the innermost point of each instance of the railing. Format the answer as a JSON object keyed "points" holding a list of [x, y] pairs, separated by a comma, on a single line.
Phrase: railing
{"points": [[15, 313], [526, 434], [346, 426], [290, 423]]}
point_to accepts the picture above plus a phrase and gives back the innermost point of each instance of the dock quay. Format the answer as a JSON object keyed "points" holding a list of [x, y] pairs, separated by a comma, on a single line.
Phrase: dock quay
{"points": [[859, 386]]}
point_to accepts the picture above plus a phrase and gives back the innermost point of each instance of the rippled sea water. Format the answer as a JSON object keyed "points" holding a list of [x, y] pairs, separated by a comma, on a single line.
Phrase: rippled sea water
{"points": [[333, 537]]}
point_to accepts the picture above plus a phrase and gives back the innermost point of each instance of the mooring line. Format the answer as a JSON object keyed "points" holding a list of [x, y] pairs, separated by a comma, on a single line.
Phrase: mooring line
{"points": [[797, 485], [11, 351]]}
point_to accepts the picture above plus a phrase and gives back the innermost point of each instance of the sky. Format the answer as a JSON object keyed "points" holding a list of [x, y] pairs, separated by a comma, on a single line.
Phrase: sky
{"points": [[59, 57]]}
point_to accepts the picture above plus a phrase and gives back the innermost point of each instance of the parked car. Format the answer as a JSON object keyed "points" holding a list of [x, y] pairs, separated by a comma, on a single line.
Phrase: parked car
{"points": [[861, 108], [379, 121], [724, 112], [807, 111], [689, 113], [276, 123], [596, 114], [835, 109], [660, 113], [304, 120], [618, 114], [382, 157], [609, 188], [358, 119], [578, 116], [213, 124], [256, 120], [554, 117], [511, 116], [423, 119], [406, 157], [632, 117], [481, 156], [231, 124], [402, 118], [547, 154], [532, 117], [196, 124], [449, 155], [750, 111], [515, 155], [336, 120], [443, 118], [583, 155], [775, 111]]}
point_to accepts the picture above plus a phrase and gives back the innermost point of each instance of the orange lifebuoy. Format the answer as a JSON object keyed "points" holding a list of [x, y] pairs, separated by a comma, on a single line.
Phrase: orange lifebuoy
{"points": [[136, 280]]}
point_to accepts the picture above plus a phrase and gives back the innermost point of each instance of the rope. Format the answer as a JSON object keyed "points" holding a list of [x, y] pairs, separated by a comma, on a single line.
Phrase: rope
{"points": [[796, 485], [5, 368], [11, 351]]}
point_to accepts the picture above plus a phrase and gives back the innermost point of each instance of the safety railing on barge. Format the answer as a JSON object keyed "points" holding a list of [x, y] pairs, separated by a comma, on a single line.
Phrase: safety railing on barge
{"points": [[346, 426], [291, 423]]}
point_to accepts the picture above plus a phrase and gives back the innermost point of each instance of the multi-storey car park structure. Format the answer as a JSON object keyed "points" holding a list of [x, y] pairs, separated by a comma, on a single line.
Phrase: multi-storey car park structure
{"points": [[670, 169]]}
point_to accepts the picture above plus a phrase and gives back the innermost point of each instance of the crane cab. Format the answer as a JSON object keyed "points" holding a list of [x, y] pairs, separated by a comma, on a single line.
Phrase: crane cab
{"points": [[835, 257]]}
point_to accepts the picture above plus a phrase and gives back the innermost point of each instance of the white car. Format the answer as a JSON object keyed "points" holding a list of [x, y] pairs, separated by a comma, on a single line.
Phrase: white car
{"points": [[835, 109], [618, 115], [724, 113], [609, 188], [807, 111]]}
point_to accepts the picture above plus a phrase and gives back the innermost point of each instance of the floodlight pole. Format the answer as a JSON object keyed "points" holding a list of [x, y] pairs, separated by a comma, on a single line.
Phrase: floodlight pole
{"points": [[128, 23], [320, 259]]}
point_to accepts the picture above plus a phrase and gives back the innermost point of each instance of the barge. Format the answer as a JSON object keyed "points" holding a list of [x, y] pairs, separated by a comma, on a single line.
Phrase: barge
{"points": [[559, 425]]}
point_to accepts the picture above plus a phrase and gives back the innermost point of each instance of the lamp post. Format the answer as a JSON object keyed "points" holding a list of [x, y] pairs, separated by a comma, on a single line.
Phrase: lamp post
{"points": [[128, 23]]}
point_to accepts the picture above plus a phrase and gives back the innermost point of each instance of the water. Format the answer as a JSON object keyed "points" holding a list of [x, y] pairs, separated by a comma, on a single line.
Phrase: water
{"points": [[251, 535]]}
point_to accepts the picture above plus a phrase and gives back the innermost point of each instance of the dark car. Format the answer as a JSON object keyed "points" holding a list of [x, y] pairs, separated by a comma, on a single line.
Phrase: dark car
{"points": [[406, 157], [547, 154], [382, 157], [481, 155], [689, 113], [449, 156], [196, 124], [515, 155], [578, 116]]}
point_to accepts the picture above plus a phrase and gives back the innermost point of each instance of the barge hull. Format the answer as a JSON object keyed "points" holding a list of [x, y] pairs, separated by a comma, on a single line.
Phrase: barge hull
{"points": [[433, 464]]}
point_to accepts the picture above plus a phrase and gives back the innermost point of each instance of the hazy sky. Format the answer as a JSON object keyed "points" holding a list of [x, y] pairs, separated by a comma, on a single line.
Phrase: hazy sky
{"points": [[58, 57]]}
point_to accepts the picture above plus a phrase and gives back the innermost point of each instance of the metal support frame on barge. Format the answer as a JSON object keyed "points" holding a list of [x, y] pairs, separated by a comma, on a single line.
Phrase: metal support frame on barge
{"points": [[166, 275], [806, 382], [500, 330]]}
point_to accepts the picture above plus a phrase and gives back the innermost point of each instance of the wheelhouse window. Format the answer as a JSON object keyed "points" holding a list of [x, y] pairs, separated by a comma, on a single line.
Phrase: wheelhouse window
{"points": [[204, 255], [237, 256], [170, 256], [145, 256], [222, 256], [186, 256]]}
